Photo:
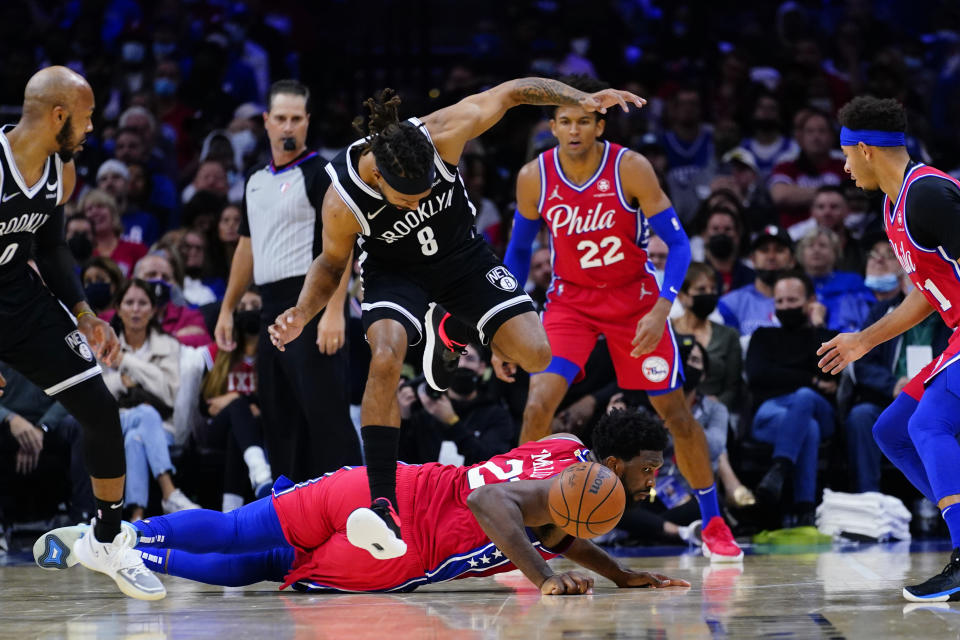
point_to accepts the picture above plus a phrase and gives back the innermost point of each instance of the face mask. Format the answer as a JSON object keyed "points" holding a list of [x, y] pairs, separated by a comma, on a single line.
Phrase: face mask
{"points": [[691, 378], [720, 246], [132, 52], [164, 87], [765, 124], [247, 322], [243, 142], [792, 318], [193, 272], [98, 294], [704, 304], [882, 284], [164, 50], [161, 290], [464, 381], [768, 276], [80, 246]]}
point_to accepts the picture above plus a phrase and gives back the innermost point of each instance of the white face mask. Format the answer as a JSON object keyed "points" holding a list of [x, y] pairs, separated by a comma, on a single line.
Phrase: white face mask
{"points": [[243, 142]]}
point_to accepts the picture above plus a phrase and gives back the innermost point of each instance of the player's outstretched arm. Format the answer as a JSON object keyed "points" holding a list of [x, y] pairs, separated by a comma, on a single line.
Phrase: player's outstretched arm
{"points": [[850, 347], [590, 556], [340, 229], [452, 126], [503, 510]]}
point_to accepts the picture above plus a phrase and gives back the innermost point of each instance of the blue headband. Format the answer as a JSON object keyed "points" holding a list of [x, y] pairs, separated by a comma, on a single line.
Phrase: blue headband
{"points": [[850, 137]]}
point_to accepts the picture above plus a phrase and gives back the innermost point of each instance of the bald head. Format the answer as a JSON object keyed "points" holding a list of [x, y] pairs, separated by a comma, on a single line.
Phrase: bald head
{"points": [[58, 107], [55, 87]]}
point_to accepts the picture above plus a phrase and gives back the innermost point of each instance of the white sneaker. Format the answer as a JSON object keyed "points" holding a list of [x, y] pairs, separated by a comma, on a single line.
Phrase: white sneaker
{"points": [[54, 549], [178, 502], [368, 530], [120, 561], [691, 533]]}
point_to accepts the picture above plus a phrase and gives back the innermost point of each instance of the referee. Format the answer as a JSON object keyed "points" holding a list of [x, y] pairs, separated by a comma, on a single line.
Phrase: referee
{"points": [[304, 395]]}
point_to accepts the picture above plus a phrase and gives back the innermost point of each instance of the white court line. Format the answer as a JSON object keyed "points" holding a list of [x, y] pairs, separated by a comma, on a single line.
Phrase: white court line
{"points": [[862, 569]]}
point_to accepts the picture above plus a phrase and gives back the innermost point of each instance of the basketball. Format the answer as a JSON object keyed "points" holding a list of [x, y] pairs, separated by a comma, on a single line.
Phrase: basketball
{"points": [[586, 500]]}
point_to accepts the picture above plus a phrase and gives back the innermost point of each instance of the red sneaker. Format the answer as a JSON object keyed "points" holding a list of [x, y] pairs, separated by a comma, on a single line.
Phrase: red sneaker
{"points": [[718, 543]]}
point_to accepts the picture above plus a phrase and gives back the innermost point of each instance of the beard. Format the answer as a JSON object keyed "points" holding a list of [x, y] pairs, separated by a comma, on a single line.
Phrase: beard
{"points": [[67, 150]]}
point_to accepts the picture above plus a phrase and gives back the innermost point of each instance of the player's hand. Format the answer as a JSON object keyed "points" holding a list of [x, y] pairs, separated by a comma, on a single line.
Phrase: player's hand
{"points": [[566, 584], [601, 100], [641, 579], [287, 327], [842, 350], [27, 435], [223, 332], [650, 329], [818, 314], [331, 332], [103, 341], [504, 370]]}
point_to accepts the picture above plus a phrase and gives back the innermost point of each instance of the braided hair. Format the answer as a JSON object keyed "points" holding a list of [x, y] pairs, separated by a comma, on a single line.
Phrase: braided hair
{"points": [[397, 146]]}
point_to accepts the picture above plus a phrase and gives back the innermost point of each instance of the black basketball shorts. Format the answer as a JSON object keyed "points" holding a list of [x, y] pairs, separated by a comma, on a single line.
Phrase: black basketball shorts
{"points": [[471, 283]]}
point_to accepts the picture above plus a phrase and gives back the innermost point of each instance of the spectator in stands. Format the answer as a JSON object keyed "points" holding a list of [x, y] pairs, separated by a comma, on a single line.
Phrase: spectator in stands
{"points": [[698, 295], [829, 211], [101, 279], [210, 176], [741, 177], [184, 324], [78, 233], [793, 399], [145, 380], [101, 209], [721, 239], [173, 113], [881, 374], [843, 293], [229, 400], [767, 142], [752, 306], [159, 158], [224, 242], [489, 222], [193, 251], [793, 184], [689, 146], [161, 198], [138, 226], [541, 275], [203, 210]]}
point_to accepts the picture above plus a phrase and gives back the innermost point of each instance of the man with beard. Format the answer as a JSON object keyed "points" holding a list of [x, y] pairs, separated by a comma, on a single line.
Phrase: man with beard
{"points": [[747, 308], [52, 348]]}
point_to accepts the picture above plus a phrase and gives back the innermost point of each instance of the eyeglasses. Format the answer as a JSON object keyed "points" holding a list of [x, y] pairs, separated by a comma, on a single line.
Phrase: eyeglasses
{"points": [[875, 255]]}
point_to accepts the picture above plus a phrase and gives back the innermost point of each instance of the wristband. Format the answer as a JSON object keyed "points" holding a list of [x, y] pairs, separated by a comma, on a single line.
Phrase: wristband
{"points": [[85, 312]]}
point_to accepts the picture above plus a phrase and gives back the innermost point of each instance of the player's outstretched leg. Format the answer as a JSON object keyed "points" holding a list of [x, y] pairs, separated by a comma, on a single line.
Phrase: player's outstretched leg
{"points": [[441, 352], [54, 549]]}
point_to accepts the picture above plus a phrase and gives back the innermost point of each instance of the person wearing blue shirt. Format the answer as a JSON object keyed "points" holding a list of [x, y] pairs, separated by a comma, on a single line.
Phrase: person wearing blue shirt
{"points": [[843, 293]]}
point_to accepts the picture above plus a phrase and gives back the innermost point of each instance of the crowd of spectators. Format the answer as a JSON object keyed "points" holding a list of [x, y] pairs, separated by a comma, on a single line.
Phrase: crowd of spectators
{"points": [[740, 126]]}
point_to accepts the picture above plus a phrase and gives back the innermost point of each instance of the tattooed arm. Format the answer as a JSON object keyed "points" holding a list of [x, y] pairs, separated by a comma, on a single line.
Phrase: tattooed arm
{"points": [[453, 126]]}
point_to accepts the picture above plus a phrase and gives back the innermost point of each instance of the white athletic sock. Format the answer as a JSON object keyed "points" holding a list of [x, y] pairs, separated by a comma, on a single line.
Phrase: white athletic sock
{"points": [[231, 501], [258, 466]]}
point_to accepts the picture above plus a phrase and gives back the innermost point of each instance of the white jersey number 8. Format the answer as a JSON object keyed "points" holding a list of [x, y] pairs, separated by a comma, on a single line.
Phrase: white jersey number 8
{"points": [[428, 243]]}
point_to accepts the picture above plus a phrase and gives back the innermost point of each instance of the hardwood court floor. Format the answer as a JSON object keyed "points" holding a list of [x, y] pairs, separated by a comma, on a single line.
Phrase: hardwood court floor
{"points": [[830, 594]]}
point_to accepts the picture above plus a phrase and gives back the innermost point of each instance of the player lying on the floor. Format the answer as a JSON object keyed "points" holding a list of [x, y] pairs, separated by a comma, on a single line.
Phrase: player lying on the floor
{"points": [[463, 521]]}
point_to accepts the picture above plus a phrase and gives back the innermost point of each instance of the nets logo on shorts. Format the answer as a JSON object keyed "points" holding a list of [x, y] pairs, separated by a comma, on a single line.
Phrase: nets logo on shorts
{"points": [[502, 279], [655, 369], [78, 343]]}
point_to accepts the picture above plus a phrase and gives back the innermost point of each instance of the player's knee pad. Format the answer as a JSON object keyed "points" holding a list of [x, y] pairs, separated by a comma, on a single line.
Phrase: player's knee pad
{"points": [[92, 405]]}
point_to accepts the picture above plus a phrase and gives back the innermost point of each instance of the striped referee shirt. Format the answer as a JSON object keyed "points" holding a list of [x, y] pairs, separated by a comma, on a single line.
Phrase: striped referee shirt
{"points": [[281, 216]]}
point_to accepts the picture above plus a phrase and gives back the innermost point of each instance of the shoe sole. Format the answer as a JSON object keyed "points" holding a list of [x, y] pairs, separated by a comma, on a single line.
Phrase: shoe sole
{"points": [[716, 558], [365, 530], [125, 587], [429, 347], [53, 551], [944, 596]]}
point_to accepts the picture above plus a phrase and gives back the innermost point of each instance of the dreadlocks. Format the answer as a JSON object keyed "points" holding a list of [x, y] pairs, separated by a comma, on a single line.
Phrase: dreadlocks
{"points": [[398, 147]]}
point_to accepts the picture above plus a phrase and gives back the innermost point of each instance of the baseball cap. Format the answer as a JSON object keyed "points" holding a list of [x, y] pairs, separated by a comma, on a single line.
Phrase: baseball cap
{"points": [[775, 233], [113, 166], [741, 155]]}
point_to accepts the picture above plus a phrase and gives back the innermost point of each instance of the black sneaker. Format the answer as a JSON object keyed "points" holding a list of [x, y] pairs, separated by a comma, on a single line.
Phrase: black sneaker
{"points": [[943, 587], [441, 355], [771, 486]]}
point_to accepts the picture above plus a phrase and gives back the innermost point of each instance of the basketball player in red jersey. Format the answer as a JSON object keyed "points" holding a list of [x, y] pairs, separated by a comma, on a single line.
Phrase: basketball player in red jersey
{"points": [[921, 215], [599, 201], [462, 522]]}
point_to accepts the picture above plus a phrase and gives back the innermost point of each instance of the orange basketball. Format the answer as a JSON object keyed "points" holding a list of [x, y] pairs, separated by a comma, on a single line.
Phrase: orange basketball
{"points": [[587, 500]]}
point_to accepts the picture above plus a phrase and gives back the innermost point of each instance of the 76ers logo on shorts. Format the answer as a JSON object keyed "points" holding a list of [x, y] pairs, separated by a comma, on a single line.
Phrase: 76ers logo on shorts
{"points": [[502, 279], [655, 369], [78, 343]]}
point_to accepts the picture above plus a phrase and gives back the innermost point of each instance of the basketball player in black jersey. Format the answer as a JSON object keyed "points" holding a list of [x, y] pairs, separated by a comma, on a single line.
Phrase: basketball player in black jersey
{"points": [[55, 348], [398, 189]]}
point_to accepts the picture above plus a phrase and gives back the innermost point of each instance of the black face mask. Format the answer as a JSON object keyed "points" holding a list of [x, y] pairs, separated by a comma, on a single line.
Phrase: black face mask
{"points": [[161, 290], [98, 294], [80, 246], [691, 378], [768, 276], [704, 304], [792, 318], [766, 124], [720, 246], [193, 272], [247, 322], [464, 381]]}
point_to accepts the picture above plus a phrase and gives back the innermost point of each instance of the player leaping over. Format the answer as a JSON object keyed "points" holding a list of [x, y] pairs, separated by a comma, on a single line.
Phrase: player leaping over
{"points": [[461, 522]]}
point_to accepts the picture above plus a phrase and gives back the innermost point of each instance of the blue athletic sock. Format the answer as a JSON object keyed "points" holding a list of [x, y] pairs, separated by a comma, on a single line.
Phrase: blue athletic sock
{"points": [[951, 515], [253, 527], [227, 570], [709, 507]]}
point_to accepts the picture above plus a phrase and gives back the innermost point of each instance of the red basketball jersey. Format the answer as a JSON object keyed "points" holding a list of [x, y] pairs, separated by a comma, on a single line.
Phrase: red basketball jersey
{"points": [[597, 239], [930, 269]]}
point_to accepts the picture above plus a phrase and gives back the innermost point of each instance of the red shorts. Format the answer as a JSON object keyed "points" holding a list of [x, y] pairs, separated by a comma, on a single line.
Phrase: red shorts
{"points": [[574, 316], [919, 382], [313, 516]]}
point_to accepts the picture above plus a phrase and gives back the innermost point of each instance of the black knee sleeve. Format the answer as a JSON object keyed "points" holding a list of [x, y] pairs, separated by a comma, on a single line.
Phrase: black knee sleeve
{"points": [[96, 410]]}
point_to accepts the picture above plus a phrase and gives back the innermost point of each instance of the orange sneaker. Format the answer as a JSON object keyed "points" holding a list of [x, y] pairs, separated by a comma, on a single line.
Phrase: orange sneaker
{"points": [[718, 543]]}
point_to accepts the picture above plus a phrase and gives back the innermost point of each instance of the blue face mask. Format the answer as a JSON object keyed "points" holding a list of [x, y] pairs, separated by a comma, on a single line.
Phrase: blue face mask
{"points": [[164, 87], [882, 284]]}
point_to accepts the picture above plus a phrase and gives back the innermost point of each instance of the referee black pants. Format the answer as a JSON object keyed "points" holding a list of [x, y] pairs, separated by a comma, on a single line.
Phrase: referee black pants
{"points": [[304, 396]]}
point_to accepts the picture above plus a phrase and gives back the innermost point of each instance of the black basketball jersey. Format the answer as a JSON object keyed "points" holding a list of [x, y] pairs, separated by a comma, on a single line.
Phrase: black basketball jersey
{"points": [[442, 223], [23, 209]]}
